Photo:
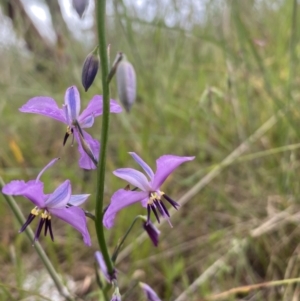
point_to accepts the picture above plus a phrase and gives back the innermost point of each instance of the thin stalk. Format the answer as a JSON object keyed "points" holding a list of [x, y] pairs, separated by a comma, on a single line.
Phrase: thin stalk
{"points": [[47, 263], [292, 48], [100, 14], [117, 250]]}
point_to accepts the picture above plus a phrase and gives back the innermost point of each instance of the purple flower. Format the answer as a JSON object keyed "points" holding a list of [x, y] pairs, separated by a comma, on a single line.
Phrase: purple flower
{"points": [[70, 116], [61, 203], [150, 195], [102, 265], [152, 231], [149, 292]]}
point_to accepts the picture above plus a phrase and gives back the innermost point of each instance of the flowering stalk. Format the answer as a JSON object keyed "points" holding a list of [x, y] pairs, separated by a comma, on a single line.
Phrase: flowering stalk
{"points": [[100, 14], [47, 263]]}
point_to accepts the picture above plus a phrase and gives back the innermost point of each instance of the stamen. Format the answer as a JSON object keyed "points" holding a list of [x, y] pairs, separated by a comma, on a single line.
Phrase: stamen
{"points": [[155, 212], [46, 227], [159, 207], [39, 229], [66, 138], [76, 123], [72, 139], [28, 221], [172, 202], [165, 209], [50, 228], [148, 214], [87, 149], [35, 211]]}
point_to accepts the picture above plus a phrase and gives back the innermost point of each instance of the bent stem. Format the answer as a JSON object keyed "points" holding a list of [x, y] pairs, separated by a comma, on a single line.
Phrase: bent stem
{"points": [[118, 247], [47, 263], [100, 14]]}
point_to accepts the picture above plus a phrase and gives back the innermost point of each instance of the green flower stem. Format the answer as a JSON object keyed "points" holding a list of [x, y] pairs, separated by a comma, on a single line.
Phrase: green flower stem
{"points": [[116, 252], [100, 14], [47, 263]]}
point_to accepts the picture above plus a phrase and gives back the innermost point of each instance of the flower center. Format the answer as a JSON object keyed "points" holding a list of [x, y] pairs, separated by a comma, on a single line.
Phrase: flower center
{"points": [[154, 197], [36, 211], [44, 220], [156, 205]]}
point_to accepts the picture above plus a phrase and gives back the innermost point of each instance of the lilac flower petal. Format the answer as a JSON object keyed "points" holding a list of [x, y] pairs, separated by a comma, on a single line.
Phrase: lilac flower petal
{"points": [[44, 106], [165, 165], [76, 218], [143, 164], [115, 107], [149, 292], [85, 161], [144, 202], [78, 199], [60, 197], [134, 177], [87, 122], [67, 117], [32, 190], [102, 265], [121, 199], [72, 100], [95, 108], [52, 162]]}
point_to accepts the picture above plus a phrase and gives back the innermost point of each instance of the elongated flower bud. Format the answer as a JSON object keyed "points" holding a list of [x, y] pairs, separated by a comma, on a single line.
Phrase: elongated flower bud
{"points": [[89, 70], [126, 83], [149, 292], [80, 6], [152, 231]]}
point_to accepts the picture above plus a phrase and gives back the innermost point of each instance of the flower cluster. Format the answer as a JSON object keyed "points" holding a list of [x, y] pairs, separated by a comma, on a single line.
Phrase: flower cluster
{"points": [[61, 203]]}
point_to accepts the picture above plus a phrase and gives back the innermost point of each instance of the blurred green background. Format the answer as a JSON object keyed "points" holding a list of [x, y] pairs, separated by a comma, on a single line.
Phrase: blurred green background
{"points": [[215, 78]]}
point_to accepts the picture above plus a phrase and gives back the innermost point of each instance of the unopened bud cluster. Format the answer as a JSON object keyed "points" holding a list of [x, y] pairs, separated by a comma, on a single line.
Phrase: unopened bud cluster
{"points": [[125, 75]]}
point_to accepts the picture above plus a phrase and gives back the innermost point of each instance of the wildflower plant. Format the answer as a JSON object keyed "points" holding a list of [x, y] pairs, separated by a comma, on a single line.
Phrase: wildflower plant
{"points": [[61, 203]]}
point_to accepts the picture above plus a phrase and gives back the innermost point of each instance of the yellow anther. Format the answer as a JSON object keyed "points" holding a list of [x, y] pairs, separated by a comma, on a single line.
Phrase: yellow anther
{"points": [[35, 211], [44, 215], [69, 131], [154, 196]]}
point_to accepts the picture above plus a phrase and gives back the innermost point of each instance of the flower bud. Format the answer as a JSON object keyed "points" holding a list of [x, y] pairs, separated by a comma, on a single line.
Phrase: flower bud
{"points": [[152, 231], [149, 292], [80, 6], [126, 83], [89, 70]]}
